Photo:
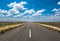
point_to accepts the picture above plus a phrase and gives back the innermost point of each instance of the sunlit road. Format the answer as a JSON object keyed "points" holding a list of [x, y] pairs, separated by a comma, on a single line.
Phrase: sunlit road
{"points": [[30, 32]]}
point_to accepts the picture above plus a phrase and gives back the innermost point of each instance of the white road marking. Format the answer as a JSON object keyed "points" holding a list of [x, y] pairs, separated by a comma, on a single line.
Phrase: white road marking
{"points": [[29, 33]]}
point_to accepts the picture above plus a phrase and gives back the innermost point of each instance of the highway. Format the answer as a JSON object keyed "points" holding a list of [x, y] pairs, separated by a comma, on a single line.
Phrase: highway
{"points": [[30, 32]]}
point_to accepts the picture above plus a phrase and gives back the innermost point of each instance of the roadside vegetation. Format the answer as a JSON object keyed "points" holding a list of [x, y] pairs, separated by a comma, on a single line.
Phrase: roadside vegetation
{"points": [[51, 25], [5, 26], [56, 24]]}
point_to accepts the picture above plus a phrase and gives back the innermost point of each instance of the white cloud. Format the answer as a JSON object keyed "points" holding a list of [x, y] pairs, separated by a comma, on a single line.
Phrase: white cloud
{"points": [[18, 15], [13, 11], [24, 16], [55, 9], [11, 4], [30, 16], [23, 2], [52, 18], [16, 5], [3, 11], [1, 15], [9, 14], [15, 8], [20, 6], [59, 3], [39, 12], [29, 11]]}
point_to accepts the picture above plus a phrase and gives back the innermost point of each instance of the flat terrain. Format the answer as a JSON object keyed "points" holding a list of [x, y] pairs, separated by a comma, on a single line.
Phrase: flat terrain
{"points": [[8, 23], [57, 24], [30, 32]]}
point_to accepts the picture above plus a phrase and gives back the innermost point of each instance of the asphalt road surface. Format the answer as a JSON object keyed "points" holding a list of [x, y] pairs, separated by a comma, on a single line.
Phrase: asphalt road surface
{"points": [[30, 32]]}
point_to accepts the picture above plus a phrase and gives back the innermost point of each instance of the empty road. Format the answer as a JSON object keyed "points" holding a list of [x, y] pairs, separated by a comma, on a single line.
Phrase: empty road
{"points": [[30, 32]]}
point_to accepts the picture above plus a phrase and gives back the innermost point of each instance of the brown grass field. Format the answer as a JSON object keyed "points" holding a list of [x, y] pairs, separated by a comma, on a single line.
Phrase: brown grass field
{"points": [[57, 24], [51, 25], [9, 23], [4, 26]]}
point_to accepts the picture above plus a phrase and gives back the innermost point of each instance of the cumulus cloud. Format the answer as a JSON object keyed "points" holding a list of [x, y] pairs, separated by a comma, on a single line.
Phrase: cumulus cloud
{"points": [[16, 5], [55, 9], [16, 9], [3, 11], [13, 11], [29, 11], [39, 12], [59, 3], [53, 18]]}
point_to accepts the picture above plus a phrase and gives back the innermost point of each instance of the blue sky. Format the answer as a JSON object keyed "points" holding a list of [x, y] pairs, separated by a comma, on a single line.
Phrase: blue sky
{"points": [[30, 10]]}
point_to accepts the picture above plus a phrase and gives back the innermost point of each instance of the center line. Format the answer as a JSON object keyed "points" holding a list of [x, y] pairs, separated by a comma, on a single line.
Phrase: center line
{"points": [[29, 33]]}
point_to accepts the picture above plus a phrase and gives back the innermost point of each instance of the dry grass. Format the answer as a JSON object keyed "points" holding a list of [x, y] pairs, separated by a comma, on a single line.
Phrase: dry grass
{"points": [[56, 24], [7, 26], [8, 23], [51, 25]]}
